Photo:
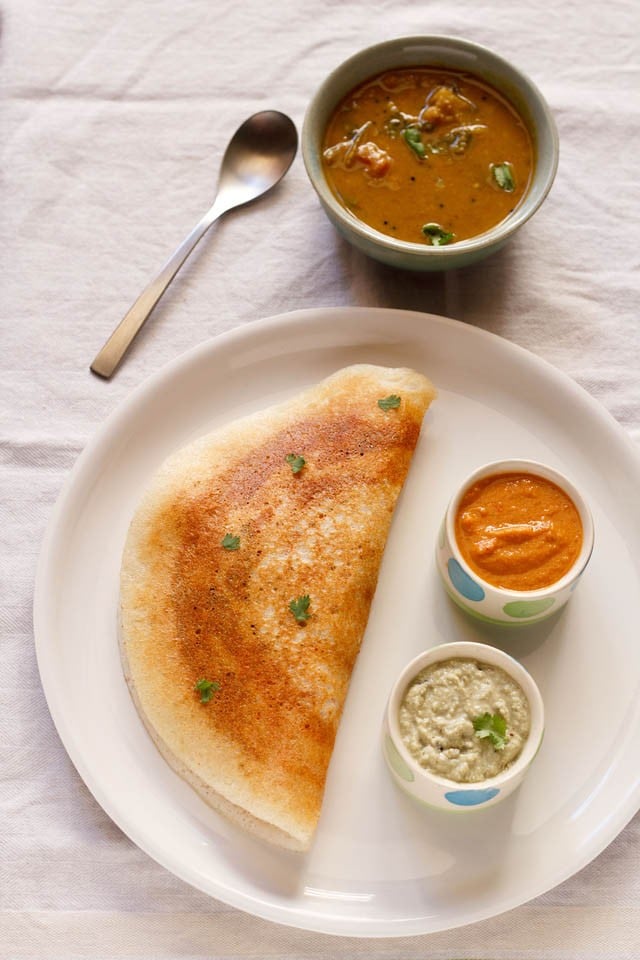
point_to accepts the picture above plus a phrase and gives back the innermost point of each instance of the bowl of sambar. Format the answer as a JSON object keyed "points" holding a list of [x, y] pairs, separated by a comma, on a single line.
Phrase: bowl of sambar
{"points": [[429, 152]]}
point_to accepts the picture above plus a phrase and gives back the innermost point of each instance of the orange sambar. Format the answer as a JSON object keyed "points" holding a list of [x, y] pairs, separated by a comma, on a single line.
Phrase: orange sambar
{"points": [[427, 155], [518, 531]]}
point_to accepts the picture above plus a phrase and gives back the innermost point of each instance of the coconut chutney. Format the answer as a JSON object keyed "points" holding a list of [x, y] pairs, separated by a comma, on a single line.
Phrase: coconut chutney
{"points": [[441, 719]]}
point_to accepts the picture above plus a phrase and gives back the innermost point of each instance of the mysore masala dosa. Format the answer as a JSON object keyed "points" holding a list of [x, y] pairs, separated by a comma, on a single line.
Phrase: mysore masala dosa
{"points": [[247, 577]]}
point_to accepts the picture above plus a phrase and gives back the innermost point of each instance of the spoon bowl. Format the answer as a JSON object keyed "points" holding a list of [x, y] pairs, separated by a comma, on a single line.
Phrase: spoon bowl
{"points": [[258, 155]]}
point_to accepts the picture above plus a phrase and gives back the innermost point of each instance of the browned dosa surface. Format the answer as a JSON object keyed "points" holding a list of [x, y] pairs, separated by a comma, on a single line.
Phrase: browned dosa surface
{"points": [[260, 749]]}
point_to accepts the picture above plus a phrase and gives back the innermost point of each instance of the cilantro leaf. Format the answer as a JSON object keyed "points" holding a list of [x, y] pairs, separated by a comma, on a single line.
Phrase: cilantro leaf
{"points": [[413, 139], [206, 689], [392, 402], [493, 726], [437, 235], [299, 608], [229, 542], [502, 173], [296, 463]]}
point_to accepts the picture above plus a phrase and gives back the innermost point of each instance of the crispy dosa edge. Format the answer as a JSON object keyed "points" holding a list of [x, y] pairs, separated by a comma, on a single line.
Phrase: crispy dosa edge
{"points": [[177, 723], [259, 828]]}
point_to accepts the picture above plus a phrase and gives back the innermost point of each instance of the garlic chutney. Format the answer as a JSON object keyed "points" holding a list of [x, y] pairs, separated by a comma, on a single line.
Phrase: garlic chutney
{"points": [[518, 531]]}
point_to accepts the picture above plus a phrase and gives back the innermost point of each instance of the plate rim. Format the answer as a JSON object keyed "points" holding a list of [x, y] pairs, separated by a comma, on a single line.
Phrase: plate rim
{"points": [[262, 908]]}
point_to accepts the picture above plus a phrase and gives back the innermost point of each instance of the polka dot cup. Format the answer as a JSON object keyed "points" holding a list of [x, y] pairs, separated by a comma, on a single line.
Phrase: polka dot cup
{"points": [[436, 791], [496, 604]]}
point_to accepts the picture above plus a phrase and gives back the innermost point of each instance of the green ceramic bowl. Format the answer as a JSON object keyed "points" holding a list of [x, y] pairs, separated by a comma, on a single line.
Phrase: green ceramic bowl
{"points": [[446, 52]]}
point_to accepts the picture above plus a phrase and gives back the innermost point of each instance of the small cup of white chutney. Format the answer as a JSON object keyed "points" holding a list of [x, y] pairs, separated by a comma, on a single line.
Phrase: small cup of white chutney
{"points": [[462, 726]]}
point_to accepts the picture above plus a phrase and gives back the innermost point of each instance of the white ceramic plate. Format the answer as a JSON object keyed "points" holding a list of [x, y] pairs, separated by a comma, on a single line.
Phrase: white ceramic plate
{"points": [[380, 866]]}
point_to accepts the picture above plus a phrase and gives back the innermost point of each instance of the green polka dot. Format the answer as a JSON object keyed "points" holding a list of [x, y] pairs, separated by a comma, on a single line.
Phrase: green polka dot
{"points": [[483, 619], [522, 609], [441, 536], [396, 761]]}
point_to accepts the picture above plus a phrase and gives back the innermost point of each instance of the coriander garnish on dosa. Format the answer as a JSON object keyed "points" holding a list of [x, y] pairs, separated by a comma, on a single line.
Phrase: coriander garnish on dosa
{"points": [[241, 572]]}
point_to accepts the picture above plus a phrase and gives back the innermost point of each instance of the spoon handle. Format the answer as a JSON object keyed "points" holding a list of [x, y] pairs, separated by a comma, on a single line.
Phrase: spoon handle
{"points": [[108, 359]]}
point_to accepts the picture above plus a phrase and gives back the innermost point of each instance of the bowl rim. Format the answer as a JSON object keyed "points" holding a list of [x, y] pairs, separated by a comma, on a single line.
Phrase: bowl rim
{"points": [[539, 186], [484, 652], [535, 468]]}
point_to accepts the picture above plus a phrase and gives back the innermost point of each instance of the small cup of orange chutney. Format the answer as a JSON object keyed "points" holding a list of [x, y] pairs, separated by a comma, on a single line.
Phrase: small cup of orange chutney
{"points": [[514, 542], [428, 153]]}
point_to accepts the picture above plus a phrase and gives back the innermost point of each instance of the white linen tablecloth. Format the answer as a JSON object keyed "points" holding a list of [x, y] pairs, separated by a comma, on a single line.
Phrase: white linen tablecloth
{"points": [[115, 116]]}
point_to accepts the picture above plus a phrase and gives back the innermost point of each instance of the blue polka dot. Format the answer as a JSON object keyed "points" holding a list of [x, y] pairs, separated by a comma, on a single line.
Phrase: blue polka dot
{"points": [[463, 582], [471, 798]]}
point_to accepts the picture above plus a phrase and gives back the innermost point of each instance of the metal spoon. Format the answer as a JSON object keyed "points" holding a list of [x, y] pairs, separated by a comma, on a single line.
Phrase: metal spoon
{"points": [[258, 156]]}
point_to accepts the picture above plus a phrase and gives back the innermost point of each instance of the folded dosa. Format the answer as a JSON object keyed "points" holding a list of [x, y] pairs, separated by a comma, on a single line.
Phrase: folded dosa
{"points": [[234, 544]]}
